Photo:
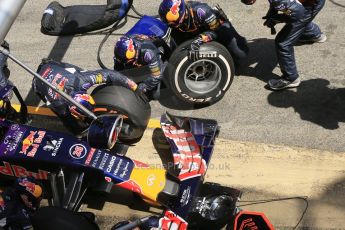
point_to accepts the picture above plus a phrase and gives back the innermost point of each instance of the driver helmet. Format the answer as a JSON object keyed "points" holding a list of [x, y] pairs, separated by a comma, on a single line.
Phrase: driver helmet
{"points": [[125, 50], [29, 191], [215, 207], [84, 99], [172, 12]]}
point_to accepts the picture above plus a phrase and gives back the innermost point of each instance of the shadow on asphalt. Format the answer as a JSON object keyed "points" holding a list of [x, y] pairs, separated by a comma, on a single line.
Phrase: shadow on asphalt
{"points": [[261, 60], [315, 101]]}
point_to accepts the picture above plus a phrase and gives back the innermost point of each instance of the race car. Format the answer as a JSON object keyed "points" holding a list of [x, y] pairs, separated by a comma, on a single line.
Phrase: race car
{"points": [[73, 167]]}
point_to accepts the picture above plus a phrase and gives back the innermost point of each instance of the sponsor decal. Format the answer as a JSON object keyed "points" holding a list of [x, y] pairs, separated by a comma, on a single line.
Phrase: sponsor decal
{"points": [[99, 78], [96, 159], [12, 139], [78, 151], [46, 72], [104, 160], [130, 52], [31, 143], [53, 145], [15, 127], [185, 196], [29, 186], [173, 14], [201, 13], [208, 54], [150, 180], [195, 99], [148, 56], [86, 85], [111, 164], [187, 155], [175, 7], [125, 170], [122, 168], [18, 171], [89, 156], [60, 85]]}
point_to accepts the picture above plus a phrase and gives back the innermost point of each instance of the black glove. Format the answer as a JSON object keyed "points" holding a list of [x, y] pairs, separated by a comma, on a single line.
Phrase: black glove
{"points": [[140, 92], [270, 23], [193, 53]]}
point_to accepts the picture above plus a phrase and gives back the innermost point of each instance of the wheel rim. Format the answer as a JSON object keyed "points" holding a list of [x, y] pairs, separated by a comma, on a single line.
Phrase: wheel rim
{"points": [[202, 76]]}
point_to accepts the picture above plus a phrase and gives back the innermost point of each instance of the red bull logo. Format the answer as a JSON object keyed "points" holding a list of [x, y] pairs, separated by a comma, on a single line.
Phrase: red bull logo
{"points": [[27, 142], [29, 186], [62, 83], [130, 53], [31, 142], [84, 97], [173, 15], [176, 7], [18, 171]]}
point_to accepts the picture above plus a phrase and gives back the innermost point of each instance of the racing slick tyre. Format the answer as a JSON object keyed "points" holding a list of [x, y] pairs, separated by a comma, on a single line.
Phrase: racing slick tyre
{"points": [[119, 100], [204, 81]]}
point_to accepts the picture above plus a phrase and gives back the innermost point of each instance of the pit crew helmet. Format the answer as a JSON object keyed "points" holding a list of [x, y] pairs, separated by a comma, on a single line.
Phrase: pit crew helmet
{"points": [[29, 191], [84, 99], [172, 12], [125, 50]]}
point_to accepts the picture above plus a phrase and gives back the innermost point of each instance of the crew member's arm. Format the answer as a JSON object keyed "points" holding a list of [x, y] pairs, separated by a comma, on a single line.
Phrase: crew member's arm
{"points": [[109, 77], [3, 64], [151, 57], [206, 16], [286, 13]]}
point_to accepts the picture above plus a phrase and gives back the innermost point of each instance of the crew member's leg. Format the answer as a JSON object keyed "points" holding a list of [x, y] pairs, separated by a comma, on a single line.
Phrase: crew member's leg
{"points": [[313, 32], [236, 44]]}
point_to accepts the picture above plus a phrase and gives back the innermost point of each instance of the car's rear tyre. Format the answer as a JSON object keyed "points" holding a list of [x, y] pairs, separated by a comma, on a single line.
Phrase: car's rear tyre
{"points": [[119, 100], [204, 81]]}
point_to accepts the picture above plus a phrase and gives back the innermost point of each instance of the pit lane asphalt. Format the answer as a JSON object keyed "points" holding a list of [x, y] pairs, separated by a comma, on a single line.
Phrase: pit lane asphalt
{"points": [[311, 116], [258, 123]]}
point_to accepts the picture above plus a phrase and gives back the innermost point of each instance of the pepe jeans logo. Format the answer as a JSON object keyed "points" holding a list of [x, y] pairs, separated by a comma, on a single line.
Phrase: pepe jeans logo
{"points": [[185, 196]]}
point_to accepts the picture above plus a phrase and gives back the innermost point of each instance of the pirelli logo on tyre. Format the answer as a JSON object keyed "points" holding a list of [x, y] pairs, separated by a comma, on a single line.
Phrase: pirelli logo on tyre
{"points": [[208, 54]]}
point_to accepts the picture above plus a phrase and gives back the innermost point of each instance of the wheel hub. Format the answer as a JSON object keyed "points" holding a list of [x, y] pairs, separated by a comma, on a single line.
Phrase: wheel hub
{"points": [[202, 76]]}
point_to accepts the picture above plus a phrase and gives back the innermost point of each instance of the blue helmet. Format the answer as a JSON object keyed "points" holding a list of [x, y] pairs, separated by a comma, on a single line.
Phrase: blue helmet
{"points": [[172, 12], [29, 191], [125, 50]]}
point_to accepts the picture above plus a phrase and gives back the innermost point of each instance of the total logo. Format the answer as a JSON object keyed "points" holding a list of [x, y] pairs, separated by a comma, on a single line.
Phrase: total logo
{"points": [[78, 151], [151, 180]]}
